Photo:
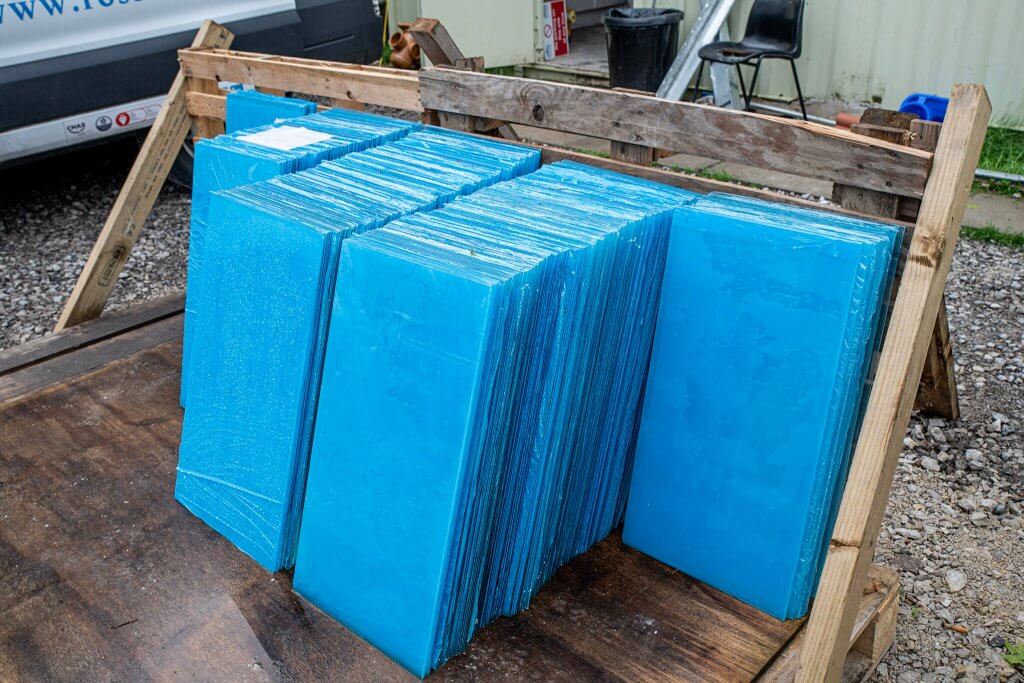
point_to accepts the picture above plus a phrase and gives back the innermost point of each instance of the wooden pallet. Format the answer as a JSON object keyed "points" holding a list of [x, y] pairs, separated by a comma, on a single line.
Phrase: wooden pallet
{"points": [[104, 576], [936, 182]]}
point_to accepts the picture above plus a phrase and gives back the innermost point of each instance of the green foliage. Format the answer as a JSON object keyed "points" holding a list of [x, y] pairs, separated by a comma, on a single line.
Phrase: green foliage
{"points": [[1014, 654], [1003, 151], [992, 234]]}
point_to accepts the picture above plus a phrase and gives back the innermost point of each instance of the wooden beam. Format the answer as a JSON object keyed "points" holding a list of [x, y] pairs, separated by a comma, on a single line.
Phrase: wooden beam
{"points": [[877, 607], [752, 139], [439, 47], [435, 42], [341, 82], [895, 386], [937, 393], [139, 192]]}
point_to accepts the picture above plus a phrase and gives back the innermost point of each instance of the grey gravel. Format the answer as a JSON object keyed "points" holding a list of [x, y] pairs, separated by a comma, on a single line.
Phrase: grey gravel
{"points": [[50, 214], [953, 528]]}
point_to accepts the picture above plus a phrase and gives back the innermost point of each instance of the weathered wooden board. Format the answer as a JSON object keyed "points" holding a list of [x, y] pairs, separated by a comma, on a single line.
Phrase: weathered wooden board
{"points": [[103, 576], [135, 201], [798, 147], [895, 385], [342, 82]]}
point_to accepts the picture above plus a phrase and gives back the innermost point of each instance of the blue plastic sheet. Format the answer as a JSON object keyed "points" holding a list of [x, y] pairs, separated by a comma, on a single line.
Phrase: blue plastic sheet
{"points": [[252, 155], [245, 109], [768, 319], [264, 295], [479, 403]]}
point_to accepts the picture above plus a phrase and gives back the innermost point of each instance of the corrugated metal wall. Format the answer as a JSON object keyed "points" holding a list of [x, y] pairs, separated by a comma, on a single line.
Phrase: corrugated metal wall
{"points": [[882, 50], [855, 50]]}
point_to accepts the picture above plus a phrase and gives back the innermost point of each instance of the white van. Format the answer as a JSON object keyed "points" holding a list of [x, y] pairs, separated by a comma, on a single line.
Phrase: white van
{"points": [[75, 72]]}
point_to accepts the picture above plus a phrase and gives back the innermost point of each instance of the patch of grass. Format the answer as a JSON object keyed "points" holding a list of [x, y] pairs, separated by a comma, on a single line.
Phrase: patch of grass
{"points": [[992, 234], [1003, 151], [915, 612], [1014, 654], [501, 70], [594, 153]]}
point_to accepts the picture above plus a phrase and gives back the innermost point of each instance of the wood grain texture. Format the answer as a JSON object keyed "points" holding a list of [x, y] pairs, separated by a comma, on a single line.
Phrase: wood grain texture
{"points": [[634, 154], [936, 394], [135, 201], [753, 139], [341, 82], [896, 381], [878, 605], [105, 576], [52, 345], [205, 126]]}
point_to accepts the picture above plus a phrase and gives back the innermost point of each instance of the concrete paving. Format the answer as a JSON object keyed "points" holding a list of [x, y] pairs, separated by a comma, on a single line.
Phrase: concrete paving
{"points": [[983, 210]]}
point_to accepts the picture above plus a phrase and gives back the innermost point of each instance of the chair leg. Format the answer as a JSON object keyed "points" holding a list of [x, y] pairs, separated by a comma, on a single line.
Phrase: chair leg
{"points": [[743, 89], [753, 82], [799, 93], [696, 84]]}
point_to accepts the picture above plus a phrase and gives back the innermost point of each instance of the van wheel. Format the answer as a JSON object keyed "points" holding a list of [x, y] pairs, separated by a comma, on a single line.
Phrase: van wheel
{"points": [[181, 169]]}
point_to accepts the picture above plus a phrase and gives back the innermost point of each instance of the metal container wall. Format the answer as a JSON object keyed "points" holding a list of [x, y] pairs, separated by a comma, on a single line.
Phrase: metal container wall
{"points": [[881, 51]]}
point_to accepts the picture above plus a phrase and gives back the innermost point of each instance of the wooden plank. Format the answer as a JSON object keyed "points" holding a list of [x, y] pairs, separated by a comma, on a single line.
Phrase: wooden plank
{"points": [[925, 134], [341, 82], [937, 393], [634, 154], [753, 139], [435, 42], [135, 201], [204, 126], [58, 369], [94, 459], [895, 386], [439, 47], [695, 183], [878, 603], [89, 332]]}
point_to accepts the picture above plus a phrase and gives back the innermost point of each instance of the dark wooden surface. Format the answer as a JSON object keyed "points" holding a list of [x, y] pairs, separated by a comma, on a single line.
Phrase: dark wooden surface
{"points": [[104, 577]]}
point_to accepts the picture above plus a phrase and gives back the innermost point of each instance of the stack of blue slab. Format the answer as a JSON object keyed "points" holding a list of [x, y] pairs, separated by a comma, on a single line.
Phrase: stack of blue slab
{"points": [[768, 321], [252, 155], [264, 293], [247, 109], [479, 403]]}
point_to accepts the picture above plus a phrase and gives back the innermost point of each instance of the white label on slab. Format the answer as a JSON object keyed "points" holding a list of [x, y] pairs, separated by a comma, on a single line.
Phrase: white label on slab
{"points": [[285, 137]]}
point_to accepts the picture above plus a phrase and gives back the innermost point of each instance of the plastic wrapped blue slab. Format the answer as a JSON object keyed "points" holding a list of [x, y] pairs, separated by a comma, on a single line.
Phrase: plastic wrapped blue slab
{"points": [[768, 319], [252, 155], [479, 402], [251, 109], [265, 293]]}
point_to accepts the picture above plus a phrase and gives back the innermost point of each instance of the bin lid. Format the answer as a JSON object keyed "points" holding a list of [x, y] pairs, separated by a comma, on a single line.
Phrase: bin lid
{"points": [[641, 17]]}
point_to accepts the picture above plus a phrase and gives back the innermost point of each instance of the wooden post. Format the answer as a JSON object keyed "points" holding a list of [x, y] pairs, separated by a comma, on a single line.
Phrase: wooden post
{"points": [[937, 394], [139, 192], [892, 396], [437, 44]]}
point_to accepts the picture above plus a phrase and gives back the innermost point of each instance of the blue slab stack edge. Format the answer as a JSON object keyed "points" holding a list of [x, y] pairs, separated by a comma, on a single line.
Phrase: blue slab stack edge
{"points": [[245, 109], [769, 318], [262, 303], [428, 374]]}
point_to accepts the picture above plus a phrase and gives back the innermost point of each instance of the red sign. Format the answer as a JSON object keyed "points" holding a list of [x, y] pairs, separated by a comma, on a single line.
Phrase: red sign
{"points": [[556, 29], [123, 119]]}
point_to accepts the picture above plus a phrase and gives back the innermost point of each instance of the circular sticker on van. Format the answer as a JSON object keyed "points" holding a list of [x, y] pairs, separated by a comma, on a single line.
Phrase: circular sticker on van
{"points": [[103, 123]]}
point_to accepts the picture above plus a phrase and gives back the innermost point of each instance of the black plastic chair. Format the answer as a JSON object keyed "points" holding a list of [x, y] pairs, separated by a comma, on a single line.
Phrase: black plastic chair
{"points": [[774, 31]]}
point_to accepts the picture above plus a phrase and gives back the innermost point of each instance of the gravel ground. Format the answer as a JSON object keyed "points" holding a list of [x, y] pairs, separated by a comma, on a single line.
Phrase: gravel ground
{"points": [[954, 526], [50, 214]]}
